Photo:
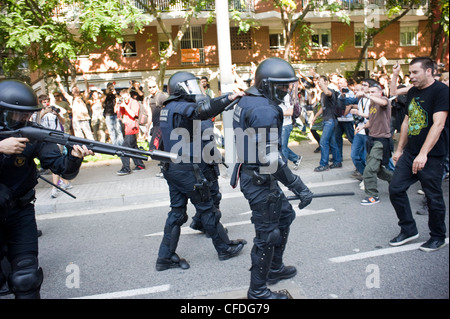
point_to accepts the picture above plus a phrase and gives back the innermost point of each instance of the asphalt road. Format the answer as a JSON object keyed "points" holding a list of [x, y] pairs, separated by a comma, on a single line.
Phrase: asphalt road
{"points": [[339, 247]]}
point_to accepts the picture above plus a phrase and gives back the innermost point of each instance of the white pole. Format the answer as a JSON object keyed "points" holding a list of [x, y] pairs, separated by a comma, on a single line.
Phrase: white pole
{"points": [[226, 77]]}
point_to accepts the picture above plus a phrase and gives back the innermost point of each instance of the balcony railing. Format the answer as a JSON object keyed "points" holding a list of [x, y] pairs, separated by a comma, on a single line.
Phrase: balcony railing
{"points": [[359, 4], [166, 6]]}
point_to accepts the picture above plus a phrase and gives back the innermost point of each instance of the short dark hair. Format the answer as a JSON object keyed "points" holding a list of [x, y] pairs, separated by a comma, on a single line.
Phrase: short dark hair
{"points": [[204, 78], [426, 63], [375, 84]]}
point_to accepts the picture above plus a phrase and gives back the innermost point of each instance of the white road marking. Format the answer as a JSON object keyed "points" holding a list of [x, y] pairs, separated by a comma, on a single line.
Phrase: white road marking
{"points": [[378, 252], [186, 230], [128, 293]]}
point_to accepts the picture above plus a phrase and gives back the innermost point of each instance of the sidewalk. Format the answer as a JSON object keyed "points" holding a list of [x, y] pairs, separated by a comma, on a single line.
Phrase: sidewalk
{"points": [[97, 186]]}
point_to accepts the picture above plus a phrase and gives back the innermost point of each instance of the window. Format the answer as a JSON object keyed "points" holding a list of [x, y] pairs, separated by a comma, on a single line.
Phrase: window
{"points": [[359, 38], [129, 48], [240, 41], [321, 36], [276, 41], [193, 39], [408, 35]]}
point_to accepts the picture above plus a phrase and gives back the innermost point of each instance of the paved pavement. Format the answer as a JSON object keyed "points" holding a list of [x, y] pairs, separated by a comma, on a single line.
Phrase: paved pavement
{"points": [[98, 187]]}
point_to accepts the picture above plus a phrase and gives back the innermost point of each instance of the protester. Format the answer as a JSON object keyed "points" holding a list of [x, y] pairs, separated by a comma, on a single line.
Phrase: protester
{"points": [[420, 155]]}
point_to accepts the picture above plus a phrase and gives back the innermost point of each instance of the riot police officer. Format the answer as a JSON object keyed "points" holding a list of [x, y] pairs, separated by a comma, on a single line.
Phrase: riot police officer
{"points": [[184, 123], [18, 177], [257, 123]]}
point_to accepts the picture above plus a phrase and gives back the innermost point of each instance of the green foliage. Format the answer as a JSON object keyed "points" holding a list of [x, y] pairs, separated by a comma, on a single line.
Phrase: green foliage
{"points": [[54, 32]]}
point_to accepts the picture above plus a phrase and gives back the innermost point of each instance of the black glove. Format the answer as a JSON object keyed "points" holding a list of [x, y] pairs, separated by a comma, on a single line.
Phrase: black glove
{"points": [[303, 192]]}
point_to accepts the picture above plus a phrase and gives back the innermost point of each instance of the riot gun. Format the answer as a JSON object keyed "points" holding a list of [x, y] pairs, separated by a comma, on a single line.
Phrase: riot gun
{"points": [[42, 134]]}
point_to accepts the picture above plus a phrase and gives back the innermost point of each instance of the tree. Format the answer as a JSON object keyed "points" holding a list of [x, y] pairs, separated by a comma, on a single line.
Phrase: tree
{"points": [[52, 33], [293, 16], [395, 8], [438, 16]]}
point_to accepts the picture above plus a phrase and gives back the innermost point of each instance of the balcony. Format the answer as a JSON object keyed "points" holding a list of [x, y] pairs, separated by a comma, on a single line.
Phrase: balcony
{"points": [[166, 6]]}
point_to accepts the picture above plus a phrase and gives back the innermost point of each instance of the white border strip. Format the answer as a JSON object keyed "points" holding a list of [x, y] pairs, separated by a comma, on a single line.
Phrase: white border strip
{"points": [[128, 293]]}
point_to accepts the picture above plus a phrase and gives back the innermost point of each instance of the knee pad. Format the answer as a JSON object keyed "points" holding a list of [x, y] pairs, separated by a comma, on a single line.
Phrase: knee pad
{"points": [[26, 277], [180, 216], [269, 238]]}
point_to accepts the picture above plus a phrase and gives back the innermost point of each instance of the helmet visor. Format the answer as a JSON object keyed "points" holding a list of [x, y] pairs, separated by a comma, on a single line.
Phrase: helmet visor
{"points": [[190, 87], [284, 92], [14, 120]]}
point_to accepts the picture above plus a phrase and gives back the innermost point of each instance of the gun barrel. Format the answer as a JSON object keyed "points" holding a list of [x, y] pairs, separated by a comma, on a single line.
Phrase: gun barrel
{"points": [[53, 136]]}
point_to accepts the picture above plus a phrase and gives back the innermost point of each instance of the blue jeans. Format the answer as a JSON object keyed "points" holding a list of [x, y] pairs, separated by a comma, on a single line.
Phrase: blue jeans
{"points": [[327, 141], [358, 153], [114, 129], [287, 152], [341, 128]]}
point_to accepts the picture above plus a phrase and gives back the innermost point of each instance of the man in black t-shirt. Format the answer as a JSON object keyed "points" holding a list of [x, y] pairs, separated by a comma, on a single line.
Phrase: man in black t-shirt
{"points": [[420, 155], [112, 122]]}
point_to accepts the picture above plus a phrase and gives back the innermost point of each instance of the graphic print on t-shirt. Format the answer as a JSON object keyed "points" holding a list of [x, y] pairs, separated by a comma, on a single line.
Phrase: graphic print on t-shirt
{"points": [[418, 117]]}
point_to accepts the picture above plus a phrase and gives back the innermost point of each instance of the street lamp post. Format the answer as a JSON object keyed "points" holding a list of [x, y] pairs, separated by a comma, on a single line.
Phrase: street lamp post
{"points": [[226, 77]]}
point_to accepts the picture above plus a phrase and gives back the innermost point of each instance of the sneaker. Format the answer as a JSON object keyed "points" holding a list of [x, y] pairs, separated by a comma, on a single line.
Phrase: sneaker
{"points": [[357, 175], [138, 168], [297, 163], [317, 150], [160, 175], [66, 186], [336, 165], [55, 193], [370, 200], [321, 168], [402, 239], [123, 172], [432, 245]]}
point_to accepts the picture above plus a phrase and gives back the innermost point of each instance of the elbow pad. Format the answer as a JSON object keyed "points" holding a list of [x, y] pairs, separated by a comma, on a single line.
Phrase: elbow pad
{"points": [[208, 108], [284, 175]]}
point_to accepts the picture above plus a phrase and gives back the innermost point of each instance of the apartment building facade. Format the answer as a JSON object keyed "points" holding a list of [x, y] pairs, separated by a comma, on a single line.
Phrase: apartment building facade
{"points": [[332, 46]]}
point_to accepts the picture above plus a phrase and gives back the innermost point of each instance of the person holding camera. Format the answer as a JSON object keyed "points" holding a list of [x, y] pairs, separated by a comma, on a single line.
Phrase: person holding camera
{"points": [[50, 117], [129, 110], [361, 115], [112, 121], [345, 120], [379, 146]]}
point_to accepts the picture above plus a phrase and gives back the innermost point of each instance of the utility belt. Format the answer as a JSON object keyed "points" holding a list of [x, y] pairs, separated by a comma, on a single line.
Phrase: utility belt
{"points": [[24, 200], [258, 179], [201, 192]]}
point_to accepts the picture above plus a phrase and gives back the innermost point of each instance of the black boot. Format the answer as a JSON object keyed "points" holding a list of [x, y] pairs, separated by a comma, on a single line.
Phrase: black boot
{"points": [[173, 262], [284, 272], [4, 288], [231, 252], [261, 261]]}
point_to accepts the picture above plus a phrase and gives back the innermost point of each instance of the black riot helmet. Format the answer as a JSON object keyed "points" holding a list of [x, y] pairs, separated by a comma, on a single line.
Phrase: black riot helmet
{"points": [[275, 79], [18, 102], [184, 84]]}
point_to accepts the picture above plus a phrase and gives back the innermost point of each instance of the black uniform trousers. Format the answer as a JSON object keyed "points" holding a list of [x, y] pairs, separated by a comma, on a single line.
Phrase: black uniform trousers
{"points": [[18, 231]]}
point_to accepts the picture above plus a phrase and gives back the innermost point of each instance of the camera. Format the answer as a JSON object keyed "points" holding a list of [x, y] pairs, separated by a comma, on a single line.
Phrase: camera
{"points": [[345, 90], [55, 109]]}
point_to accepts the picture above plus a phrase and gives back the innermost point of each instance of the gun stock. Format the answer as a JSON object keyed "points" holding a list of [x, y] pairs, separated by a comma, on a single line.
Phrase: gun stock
{"points": [[41, 134]]}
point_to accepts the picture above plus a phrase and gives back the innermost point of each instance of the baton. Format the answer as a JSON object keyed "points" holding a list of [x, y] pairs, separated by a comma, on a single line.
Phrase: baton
{"points": [[323, 195], [60, 188]]}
